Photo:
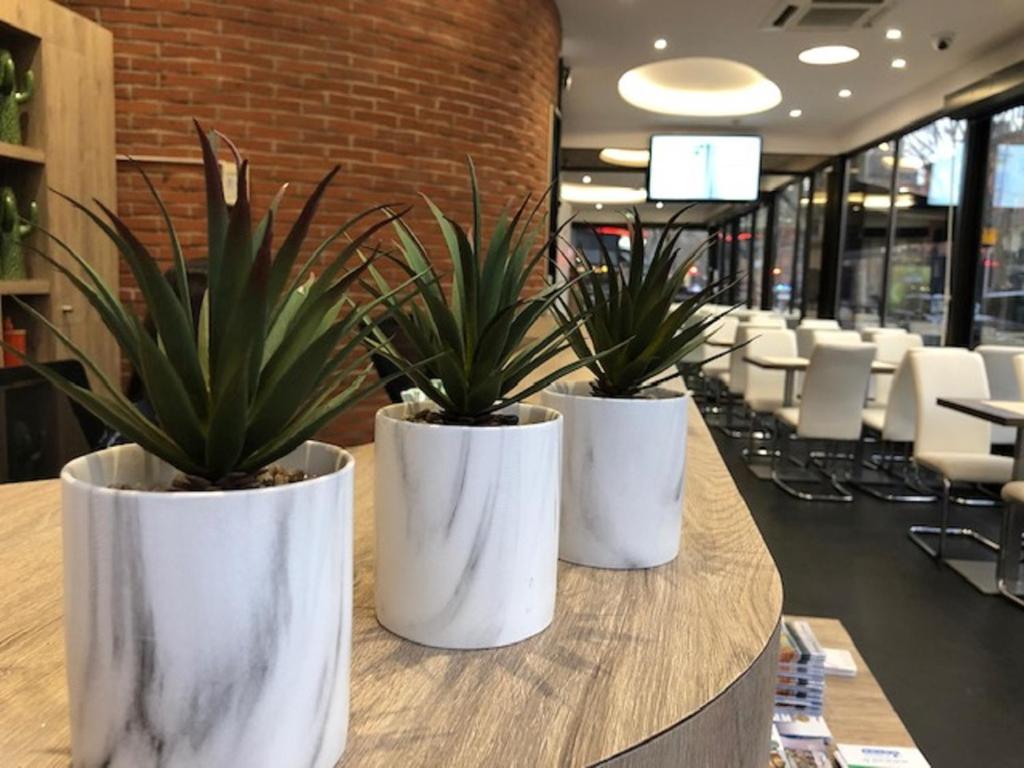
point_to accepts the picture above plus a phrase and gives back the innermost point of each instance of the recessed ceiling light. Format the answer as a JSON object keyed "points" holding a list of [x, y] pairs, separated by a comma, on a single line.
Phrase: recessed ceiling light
{"points": [[899, 63], [699, 86], [660, 44], [845, 93], [600, 193], [829, 54], [795, 112], [631, 158], [599, 206], [893, 34], [587, 179], [659, 205]]}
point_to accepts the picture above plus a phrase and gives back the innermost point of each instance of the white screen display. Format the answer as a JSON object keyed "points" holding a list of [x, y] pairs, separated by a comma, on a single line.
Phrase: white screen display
{"points": [[704, 167]]}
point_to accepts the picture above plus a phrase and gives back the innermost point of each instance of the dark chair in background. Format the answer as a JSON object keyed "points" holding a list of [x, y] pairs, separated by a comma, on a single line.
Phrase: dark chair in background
{"points": [[385, 367], [40, 428]]}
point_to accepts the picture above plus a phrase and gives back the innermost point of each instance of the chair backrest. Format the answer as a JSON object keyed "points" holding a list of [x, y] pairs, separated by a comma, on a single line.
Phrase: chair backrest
{"points": [[901, 405], [1018, 368], [892, 348], [762, 384], [738, 367], [835, 385], [999, 366], [725, 329], [949, 372], [872, 334], [819, 322], [767, 320]]}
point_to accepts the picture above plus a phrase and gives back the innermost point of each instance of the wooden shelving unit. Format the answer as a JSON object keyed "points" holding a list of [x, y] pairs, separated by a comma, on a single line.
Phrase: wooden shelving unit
{"points": [[68, 145], [31, 287], [22, 153]]}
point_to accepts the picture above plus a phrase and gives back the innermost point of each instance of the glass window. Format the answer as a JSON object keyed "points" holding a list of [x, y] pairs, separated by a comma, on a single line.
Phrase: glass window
{"points": [[818, 202], [744, 236], [757, 258], [862, 262], [999, 314], [787, 245], [928, 176]]}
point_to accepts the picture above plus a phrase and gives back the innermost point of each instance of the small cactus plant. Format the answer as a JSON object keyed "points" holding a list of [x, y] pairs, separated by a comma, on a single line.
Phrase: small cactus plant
{"points": [[13, 229], [11, 98]]}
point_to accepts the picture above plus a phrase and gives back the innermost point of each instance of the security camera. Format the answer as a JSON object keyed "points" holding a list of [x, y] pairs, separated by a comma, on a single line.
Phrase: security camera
{"points": [[942, 41]]}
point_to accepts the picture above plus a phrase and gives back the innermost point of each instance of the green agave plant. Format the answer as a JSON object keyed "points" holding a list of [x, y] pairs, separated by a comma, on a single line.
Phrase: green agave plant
{"points": [[633, 330], [275, 356], [475, 342]]}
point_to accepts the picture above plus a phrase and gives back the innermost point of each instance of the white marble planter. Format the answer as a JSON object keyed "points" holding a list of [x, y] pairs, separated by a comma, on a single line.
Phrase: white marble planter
{"points": [[207, 629], [467, 528], [623, 467]]}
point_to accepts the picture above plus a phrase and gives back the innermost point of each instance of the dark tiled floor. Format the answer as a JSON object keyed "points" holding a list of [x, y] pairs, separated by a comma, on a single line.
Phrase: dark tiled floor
{"points": [[950, 659]]}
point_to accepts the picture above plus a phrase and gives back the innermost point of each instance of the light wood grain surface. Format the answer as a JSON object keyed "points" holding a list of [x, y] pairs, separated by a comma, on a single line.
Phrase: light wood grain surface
{"points": [[631, 657], [856, 708]]}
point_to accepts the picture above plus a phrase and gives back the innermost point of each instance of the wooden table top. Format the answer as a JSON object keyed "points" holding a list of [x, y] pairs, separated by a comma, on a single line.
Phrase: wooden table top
{"points": [[629, 655], [856, 708], [1009, 415], [794, 363]]}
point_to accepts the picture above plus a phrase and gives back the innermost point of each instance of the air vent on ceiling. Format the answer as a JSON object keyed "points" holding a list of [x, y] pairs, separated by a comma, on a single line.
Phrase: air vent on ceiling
{"points": [[825, 14]]}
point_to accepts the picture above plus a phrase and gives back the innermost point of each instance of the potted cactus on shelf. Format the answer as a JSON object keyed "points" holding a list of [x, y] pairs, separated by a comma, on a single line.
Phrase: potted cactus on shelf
{"points": [[12, 99], [467, 480], [208, 564], [13, 230], [625, 434]]}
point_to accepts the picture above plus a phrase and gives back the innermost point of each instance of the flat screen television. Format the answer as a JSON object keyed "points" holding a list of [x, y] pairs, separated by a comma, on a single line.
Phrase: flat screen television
{"points": [[691, 167]]}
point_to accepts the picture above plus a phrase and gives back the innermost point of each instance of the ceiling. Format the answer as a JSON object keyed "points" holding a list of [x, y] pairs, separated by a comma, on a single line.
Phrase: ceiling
{"points": [[602, 39]]}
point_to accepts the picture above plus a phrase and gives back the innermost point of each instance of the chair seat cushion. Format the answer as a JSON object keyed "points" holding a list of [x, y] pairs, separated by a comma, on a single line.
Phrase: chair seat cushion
{"points": [[764, 404], [789, 416], [874, 418], [968, 467], [1014, 492]]}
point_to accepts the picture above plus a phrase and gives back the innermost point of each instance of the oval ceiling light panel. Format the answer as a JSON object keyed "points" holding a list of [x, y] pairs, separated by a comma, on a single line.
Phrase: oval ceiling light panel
{"points": [[630, 158], [829, 54], [699, 87], [598, 193]]}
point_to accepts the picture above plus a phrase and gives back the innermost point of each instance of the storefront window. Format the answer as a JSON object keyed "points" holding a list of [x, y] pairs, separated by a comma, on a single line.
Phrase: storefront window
{"points": [[787, 246], [817, 203], [927, 192], [862, 264], [757, 259], [744, 251], [999, 314]]}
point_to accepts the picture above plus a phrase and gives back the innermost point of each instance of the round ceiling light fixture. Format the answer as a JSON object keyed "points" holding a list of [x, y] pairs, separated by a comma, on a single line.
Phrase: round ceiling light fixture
{"points": [[630, 158], [699, 86], [824, 55], [600, 193], [795, 112], [845, 93]]}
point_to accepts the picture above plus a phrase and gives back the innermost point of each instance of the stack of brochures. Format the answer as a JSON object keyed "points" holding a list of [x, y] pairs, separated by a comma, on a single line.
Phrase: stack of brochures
{"points": [[800, 689]]}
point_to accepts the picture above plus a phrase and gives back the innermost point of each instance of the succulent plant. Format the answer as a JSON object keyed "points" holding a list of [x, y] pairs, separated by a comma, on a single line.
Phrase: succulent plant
{"points": [[475, 340], [11, 98], [12, 230], [277, 352], [636, 327]]}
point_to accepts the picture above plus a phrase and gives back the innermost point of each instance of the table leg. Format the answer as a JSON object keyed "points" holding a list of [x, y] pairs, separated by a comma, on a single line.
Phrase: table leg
{"points": [[787, 393], [1008, 571]]}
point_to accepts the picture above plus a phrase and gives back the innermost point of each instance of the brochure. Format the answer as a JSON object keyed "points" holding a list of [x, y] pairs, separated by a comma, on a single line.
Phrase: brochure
{"points": [[861, 756]]}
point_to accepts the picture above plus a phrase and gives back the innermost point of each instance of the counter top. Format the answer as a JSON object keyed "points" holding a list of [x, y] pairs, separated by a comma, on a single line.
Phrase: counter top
{"points": [[673, 665]]}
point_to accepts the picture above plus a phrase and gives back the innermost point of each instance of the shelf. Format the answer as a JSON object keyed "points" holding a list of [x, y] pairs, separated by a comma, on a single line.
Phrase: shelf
{"points": [[22, 153], [24, 287]]}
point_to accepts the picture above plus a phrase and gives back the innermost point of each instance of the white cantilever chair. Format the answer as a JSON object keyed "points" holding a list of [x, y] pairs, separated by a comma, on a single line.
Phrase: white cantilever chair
{"points": [[953, 445], [1018, 368], [716, 371], [1013, 493], [735, 380], [1002, 383], [764, 391], [892, 348], [831, 408], [871, 335], [893, 425]]}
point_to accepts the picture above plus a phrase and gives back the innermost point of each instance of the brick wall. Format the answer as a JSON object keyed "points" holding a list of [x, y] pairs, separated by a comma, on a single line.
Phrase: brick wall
{"points": [[397, 92]]}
